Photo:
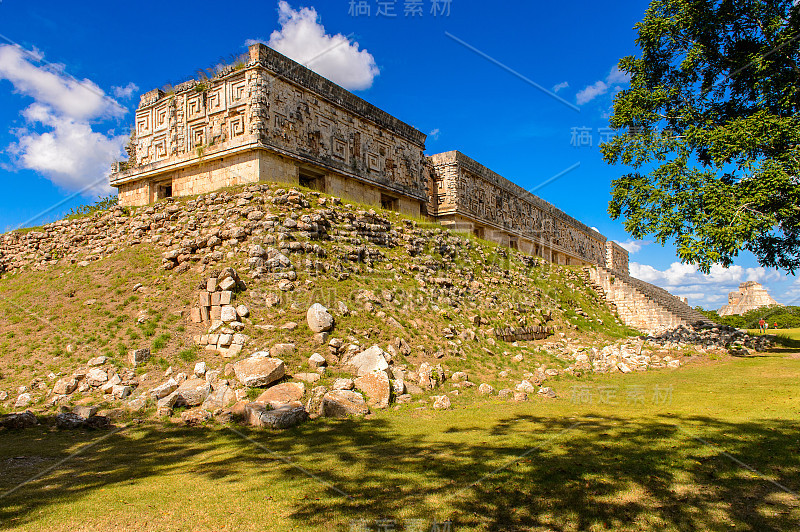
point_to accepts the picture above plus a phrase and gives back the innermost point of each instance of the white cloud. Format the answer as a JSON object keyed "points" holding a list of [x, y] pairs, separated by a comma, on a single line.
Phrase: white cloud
{"points": [[302, 37], [69, 153], [560, 86], [614, 79], [48, 84], [58, 141], [705, 289], [633, 246], [591, 92], [618, 77], [123, 93], [434, 134]]}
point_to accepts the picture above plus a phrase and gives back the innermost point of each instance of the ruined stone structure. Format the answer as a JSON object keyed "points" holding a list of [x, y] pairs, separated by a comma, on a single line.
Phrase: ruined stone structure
{"points": [[751, 295], [467, 196], [642, 305], [269, 118]]}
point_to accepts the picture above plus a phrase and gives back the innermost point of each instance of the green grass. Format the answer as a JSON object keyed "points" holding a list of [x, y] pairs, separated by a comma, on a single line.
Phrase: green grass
{"points": [[663, 464], [787, 337]]}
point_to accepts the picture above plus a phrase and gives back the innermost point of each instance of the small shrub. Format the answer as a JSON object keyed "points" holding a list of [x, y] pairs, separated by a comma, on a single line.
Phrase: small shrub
{"points": [[160, 342], [188, 355]]}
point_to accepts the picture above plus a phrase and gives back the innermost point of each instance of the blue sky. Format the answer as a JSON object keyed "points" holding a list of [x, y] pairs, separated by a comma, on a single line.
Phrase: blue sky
{"points": [[471, 78]]}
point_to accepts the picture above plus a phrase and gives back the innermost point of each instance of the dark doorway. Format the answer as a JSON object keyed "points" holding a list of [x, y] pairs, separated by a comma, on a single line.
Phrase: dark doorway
{"points": [[389, 203], [312, 181], [164, 191]]}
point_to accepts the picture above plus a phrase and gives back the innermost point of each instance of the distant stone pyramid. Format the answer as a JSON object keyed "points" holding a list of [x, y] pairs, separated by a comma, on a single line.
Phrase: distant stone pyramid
{"points": [[751, 295]]}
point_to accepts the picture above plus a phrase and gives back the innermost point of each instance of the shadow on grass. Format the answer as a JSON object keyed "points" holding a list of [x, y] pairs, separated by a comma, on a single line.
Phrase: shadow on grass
{"points": [[599, 473]]}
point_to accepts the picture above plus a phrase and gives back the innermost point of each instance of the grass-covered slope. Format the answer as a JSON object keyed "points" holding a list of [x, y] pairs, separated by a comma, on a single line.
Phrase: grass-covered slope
{"points": [[406, 279]]}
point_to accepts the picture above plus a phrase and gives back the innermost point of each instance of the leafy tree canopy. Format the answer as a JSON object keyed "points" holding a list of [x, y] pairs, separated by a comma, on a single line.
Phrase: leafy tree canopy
{"points": [[710, 129]]}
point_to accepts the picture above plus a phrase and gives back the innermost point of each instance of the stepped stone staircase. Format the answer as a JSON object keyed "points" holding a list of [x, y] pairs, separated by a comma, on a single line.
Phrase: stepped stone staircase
{"points": [[642, 305]]}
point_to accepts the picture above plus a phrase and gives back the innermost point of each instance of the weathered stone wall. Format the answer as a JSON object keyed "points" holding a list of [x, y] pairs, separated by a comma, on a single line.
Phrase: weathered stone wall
{"points": [[616, 257], [203, 136], [468, 196]]}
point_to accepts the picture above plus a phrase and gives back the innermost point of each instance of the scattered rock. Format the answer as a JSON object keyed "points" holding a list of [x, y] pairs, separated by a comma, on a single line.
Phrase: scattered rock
{"points": [[485, 389], [547, 391], [221, 397], [441, 402], [19, 420], [343, 384], [23, 400], [84, 411], [282, 350], [526, 387], [344, 403], [377, 388], [285, 416], [164, 389], [316, 361], [138, 356], [195, 416], [314, 403], [96, 377], [310, 378], [259, 370], [280, 394], [65, 386], [192, 392], [319, 319]]}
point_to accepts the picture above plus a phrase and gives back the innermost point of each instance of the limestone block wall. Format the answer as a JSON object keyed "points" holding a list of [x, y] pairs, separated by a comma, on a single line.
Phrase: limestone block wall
{"points": [[469, 196], [642, 305]]}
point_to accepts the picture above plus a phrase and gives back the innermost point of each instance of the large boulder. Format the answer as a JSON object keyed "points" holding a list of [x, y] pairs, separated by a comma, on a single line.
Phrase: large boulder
{"points": [[377, 388], [65, 386], [96, 377], [526, 387], [319, 319], [369, 360], [344, 403], [221, 397], [192, 392], [164, 389], [284, 416], [280, 394], [19, 420], [259, 370], [69, 421]]}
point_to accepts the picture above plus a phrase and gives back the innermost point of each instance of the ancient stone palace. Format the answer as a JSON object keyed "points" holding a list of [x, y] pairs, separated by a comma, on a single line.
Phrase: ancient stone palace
{"points": [[269, 118]]}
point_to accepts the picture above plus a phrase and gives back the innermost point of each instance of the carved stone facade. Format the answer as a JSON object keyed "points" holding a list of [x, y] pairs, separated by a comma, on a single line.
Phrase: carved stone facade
{"points": [[751, 295], [467, 196], [271, 120]]}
